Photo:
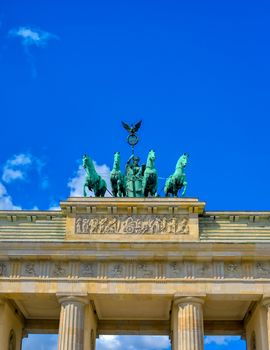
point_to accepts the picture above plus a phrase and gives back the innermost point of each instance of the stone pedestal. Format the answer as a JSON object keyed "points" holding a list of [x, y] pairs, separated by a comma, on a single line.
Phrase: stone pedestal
{"points": [[71, 327], [188, 324]]}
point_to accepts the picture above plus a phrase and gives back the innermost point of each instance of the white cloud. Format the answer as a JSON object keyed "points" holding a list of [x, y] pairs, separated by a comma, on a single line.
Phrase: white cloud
{"points": [[54, 207], [110, 342], [11, 174], [32, 36], [104, 342], [220, 340], [19, 166], [40, 341], [76, 183], [16, 167], [20, 159], [114, 342], [6, 202]]}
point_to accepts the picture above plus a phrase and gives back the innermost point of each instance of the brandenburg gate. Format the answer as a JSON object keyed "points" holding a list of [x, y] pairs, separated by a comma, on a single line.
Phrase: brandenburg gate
{"points": [[157, 266]]}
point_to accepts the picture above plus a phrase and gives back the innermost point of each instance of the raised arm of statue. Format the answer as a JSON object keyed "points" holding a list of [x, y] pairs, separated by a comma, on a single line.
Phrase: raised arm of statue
{"points": [[130, 159]]}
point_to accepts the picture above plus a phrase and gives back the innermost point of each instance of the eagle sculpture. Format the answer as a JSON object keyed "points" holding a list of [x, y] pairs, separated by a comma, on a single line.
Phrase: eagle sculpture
{"points": [[132, 128]]}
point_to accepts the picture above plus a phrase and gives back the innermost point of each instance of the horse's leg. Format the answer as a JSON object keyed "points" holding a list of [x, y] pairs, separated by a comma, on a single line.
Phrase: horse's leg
{"points": [[118, 186], [84, 191], [103, 189], [185, 188], [175, 190]]}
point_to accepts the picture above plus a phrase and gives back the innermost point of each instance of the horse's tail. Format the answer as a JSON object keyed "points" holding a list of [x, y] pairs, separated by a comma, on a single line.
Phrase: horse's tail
{"points": [[167, 184]]}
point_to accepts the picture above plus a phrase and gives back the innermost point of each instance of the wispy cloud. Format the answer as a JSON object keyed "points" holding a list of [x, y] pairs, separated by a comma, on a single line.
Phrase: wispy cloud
{"points": [[115, 342], [32, 37], [220, 340], [21, 166], [105, 342], [76, 183], [16, 167]]}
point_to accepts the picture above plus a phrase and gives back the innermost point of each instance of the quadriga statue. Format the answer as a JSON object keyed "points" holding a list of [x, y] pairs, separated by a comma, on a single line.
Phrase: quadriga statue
{"points": [[150, 177], [93, 181], [177, 180], [117, 178]]}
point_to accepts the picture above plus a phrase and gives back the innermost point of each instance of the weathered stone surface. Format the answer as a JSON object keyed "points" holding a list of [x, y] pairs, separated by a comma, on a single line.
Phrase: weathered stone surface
{"points": [[129, 257], [71, 327]]}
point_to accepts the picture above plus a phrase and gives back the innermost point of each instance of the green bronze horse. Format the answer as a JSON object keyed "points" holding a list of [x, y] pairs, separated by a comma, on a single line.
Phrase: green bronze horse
{"points": [[93, 181], [177, 180], [117, 178], [150, 178]]}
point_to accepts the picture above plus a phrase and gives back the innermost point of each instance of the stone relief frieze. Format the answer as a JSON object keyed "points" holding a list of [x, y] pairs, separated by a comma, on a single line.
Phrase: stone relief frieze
{"points": [[136, 224], [184, 269], [88, 270]]}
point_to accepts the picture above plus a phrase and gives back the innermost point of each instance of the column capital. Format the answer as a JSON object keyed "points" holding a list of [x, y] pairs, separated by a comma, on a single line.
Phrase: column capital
{"points": [[266, 301], [69, 299], [178, 300]]}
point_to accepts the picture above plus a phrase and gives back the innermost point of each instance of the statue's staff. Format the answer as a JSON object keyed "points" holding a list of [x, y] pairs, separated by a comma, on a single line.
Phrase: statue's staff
{"points": [[132, 140]]}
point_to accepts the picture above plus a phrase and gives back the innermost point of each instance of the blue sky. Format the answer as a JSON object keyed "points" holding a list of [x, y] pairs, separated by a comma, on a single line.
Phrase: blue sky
{"points": [[196, 72]]}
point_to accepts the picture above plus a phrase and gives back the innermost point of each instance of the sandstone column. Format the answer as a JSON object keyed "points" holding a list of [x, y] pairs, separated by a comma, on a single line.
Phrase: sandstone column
{"points": [[71, 327], [266, 303], [189, 324]]}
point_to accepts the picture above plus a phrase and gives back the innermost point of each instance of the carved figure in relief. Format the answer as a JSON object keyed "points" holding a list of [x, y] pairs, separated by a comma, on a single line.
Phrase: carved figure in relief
{"points": [[171, 226], [85, 225], [260, 267], [177, 180], [117, 178], [117, 270], [79, 225], [87, 269], [232, 267], [30, 269], [150, 177], [145, 270], [174, 268], [112, 225], [3, 269], [93, 225], [59, 270], [183, 226], [129, 225], [203, 269]]}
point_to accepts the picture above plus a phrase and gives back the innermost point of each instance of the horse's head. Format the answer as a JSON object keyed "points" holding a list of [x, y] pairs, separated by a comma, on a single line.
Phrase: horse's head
{"points": [[182, 162], [152, 155], [87, 161], [116, 159]]}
